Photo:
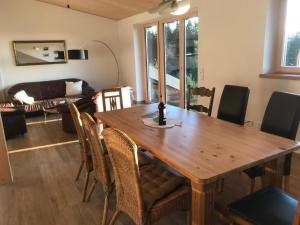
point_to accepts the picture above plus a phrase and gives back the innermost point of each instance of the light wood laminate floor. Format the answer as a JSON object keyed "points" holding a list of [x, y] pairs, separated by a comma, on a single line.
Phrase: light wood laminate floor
{"points": [[41, 134]]}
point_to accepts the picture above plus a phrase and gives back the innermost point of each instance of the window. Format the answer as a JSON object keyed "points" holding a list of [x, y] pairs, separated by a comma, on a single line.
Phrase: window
{"points": [[290, 59], [171, 57]]}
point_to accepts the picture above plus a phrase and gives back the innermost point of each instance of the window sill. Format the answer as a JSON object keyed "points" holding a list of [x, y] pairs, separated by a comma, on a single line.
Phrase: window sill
{"points": [[284, 76]]}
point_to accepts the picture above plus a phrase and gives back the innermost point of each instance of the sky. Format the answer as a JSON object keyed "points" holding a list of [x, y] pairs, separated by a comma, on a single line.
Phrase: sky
{"points": [[293, 17]]}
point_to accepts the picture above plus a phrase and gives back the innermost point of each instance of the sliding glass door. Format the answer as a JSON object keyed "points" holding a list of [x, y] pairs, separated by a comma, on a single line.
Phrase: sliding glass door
{"points": [[151, 40], [171, 56], [191, 54], [171, 51]]}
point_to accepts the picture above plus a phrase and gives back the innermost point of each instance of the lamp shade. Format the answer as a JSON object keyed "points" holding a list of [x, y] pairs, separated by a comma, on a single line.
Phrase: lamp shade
{"points": [[79, 54]]}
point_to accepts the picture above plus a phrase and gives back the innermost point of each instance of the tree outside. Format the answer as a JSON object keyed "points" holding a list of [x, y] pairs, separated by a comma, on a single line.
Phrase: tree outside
{"points": [[292, 51]]}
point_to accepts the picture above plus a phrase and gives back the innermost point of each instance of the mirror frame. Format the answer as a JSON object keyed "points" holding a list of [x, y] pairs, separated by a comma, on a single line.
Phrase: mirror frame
{"points": [[40, 63]]}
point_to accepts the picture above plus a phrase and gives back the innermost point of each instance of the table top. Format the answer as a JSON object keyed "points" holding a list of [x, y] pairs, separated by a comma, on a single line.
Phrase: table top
{"points": [[203, 148]]}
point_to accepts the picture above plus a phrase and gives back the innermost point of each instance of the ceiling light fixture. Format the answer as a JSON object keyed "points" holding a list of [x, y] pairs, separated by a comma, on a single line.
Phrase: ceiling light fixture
{"points": [[174, 7], [182, 8]]}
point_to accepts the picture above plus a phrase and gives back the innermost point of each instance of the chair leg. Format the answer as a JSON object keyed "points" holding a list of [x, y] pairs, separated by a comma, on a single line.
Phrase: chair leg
{"points": [[189, 217], [86, 186], [114, 217], [252, 185], [79, 170], [106, 204], [92, 190]]}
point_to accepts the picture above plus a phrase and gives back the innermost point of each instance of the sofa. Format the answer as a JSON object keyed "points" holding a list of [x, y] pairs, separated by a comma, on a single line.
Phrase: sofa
{"points": [[47, 94]]}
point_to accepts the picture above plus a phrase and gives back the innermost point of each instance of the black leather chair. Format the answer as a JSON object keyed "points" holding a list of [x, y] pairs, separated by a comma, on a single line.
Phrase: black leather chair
{"points": [[84, 105], [268, 206], [281, 118], [233, 104]]}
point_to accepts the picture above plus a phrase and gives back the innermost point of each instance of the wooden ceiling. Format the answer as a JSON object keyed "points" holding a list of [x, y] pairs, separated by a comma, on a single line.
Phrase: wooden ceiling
{"points": [[112, 9]]}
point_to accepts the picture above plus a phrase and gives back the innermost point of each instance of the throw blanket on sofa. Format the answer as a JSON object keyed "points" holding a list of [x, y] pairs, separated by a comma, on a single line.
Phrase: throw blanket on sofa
{"points": [[39, 105]]}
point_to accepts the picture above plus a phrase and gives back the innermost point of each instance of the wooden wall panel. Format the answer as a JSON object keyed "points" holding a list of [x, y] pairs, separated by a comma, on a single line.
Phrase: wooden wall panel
{"points": [[5, 169], [112, 9]]}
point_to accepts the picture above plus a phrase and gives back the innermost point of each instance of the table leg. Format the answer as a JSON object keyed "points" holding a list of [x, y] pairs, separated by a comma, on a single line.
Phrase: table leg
{"points": [[274, 173], [203, 204]]}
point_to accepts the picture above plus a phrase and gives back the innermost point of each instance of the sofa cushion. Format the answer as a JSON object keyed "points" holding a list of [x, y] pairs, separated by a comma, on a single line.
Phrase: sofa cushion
{"points": [[52, 89], [73, 88], [32, 89], [22, 97], [157, 182]]}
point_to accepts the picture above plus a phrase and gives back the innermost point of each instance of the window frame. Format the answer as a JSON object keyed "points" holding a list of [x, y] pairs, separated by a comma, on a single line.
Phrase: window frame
{"points": [[282, 45], [144, 59], [161, 55]]}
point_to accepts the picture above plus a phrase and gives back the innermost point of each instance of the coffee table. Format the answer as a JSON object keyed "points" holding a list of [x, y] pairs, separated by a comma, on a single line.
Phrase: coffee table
{"points": [[54, 110]]}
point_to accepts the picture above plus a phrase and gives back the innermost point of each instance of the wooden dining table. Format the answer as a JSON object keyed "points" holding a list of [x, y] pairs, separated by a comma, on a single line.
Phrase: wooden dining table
{"points": [[204, 149]]}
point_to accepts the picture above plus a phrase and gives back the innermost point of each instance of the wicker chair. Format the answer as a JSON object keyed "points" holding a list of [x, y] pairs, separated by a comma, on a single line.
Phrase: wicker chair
{"points": [[100, 161], [144, 193], [86, 159]]}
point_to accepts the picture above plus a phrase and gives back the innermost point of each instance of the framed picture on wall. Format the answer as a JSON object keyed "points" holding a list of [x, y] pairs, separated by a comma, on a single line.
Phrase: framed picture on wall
{"points": [[39, 52]]}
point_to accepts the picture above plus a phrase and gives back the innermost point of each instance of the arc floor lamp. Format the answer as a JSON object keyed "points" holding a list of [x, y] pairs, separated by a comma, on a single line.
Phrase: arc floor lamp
{"points": [[83, 54]]}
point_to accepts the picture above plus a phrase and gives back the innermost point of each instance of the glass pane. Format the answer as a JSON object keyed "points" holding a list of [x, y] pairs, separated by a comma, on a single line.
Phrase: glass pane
{"points": [[191, 53], [171, 31], [152, 63], [291, 57]]}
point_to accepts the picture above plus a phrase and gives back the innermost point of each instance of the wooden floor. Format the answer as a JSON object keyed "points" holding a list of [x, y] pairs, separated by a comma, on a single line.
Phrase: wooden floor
{"points": [[40, 134], [45, 193]]}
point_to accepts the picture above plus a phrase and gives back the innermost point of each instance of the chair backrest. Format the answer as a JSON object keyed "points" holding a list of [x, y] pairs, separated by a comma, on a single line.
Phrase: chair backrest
{"points": [[79, 130], [100, 164], [112, 99], [203, 92], [123, 156], [233, 104], [282, 118], [282, 115]]}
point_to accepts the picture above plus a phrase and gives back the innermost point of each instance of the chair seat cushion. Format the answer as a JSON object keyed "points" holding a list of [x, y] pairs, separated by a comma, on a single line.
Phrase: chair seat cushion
{"points": [[269, 206], [157, 182]]}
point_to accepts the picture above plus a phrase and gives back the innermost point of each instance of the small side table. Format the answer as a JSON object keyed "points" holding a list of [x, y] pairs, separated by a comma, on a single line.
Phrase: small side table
{"points": [[14, 122], [52, 110], [66, 118]]}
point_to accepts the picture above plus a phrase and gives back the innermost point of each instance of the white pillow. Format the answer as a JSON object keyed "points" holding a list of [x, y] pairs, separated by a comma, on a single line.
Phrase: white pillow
{"points": [[73, 88], [24, 98]]}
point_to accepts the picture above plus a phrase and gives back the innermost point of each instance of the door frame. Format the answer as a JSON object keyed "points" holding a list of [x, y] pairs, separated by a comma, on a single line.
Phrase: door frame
{"points": [[161, 55]]}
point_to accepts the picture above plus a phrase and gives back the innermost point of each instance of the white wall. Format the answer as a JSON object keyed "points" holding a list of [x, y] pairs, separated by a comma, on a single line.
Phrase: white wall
{"points": [[130, 51], [231, 51], [33, 20]]}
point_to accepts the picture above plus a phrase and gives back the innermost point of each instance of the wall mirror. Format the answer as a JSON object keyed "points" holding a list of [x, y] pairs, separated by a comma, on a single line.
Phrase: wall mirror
{"points": [[39, 52]]}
